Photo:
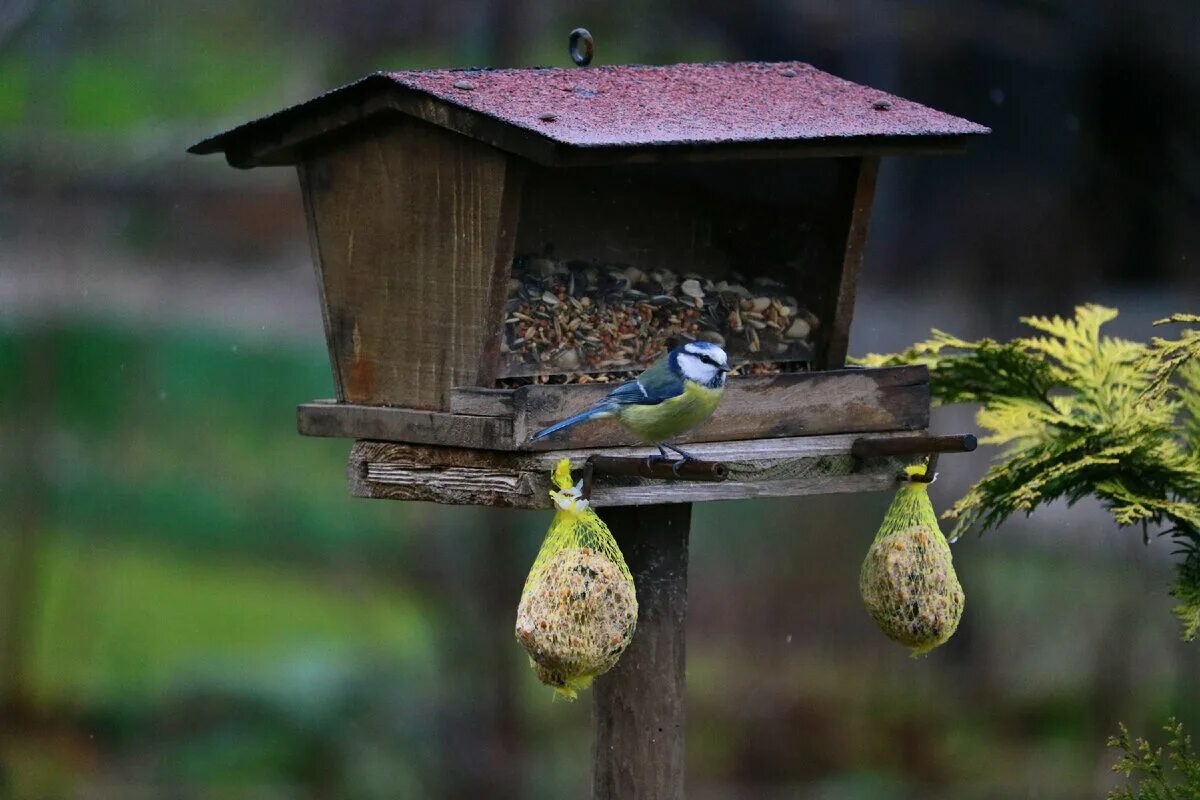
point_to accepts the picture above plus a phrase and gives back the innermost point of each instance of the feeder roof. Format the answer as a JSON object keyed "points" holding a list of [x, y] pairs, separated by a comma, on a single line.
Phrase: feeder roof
{"points": [[619, 113]]}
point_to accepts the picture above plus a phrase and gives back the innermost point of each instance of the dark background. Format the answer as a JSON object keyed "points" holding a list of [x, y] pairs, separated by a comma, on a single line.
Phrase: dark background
{"points": [[191, 606]]}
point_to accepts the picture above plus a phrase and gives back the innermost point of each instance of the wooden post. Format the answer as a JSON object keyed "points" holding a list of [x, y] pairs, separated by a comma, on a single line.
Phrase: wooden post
{"points": [[639, 738]]}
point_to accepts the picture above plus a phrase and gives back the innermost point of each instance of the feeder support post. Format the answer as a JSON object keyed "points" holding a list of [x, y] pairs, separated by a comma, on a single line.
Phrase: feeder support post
{"points": [[638, 751]]}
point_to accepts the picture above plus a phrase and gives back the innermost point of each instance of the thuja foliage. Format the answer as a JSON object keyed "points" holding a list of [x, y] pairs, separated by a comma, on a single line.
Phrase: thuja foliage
{"points": [[1154, 777], [1082, 414]]}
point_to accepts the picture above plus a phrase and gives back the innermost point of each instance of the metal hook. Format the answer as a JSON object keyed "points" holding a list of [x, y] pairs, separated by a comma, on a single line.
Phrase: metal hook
{"points": [[585, 489], [930, 474], [581, 56]]}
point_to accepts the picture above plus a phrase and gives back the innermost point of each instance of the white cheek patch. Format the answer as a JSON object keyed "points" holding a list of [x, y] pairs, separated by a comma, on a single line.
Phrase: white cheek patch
{"points": [[711, 350], [694, 369]]}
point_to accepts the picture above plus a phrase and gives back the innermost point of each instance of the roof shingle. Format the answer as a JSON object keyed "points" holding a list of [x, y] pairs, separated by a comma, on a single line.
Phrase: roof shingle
{"points": [[539, 112], [630, 106]]}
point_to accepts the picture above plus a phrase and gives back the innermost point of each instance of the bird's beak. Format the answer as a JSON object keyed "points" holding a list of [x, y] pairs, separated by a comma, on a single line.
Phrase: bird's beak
{"points": [[723, 370]]}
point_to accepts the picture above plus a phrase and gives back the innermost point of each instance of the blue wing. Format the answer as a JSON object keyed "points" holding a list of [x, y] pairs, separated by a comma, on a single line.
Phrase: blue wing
{"points": [[631, 393], [656, 384]]}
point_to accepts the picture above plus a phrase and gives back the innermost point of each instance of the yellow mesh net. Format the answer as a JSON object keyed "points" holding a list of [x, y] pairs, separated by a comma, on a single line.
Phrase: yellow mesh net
{"points": [[578, 610], [907, 580]]}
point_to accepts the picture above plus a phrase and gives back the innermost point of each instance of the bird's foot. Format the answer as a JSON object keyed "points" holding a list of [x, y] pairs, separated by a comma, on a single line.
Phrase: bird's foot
{"points": [[684, 457], [654, 458]]}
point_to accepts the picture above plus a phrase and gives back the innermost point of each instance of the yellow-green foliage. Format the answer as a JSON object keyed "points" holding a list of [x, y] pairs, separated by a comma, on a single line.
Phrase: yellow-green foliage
{"points": [[1154, 779], [907, 580], [578, 610], [1082, 414]]}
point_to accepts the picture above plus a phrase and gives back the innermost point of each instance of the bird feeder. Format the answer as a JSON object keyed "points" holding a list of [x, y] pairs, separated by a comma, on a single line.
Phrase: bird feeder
{"points": [[494, 248]]}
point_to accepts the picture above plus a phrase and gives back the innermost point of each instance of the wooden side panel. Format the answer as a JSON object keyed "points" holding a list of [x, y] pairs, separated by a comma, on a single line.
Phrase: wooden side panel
{"points": [[768, 468], [412, 228], [314, 248], [856, 242], [638, 751]]}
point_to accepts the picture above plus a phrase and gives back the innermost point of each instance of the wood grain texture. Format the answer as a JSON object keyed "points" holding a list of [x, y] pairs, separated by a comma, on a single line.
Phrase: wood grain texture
{"points": [[348, 421], [855, 245], [776, 406], [480, 401], [315, 249], [638, 707], [798, 404], [412, 225], [765, 468]]}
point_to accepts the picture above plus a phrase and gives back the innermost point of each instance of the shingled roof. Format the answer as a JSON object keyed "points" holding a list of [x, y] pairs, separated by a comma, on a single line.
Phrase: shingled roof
{"points": [[554, 116]]}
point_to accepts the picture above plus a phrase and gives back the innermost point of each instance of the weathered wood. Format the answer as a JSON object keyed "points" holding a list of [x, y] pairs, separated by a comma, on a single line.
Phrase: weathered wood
{"points": [[402, 424], [662, 469], [479, 401], [954, 443], [314, 248], [834, 355], [764, 468], [798, 404], [638, 707], [776, 406], [489, 327], [413, 227]]}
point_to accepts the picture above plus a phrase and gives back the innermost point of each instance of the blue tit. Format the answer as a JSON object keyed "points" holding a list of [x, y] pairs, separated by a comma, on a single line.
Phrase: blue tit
{"points": [[674, 395]]}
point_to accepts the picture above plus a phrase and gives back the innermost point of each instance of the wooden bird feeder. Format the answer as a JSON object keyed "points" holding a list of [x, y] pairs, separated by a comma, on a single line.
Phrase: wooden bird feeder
{"points": [[491, 244]]}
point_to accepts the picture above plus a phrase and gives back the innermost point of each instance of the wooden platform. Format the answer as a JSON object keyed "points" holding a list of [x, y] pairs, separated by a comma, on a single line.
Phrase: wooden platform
{"points": [[754, 408], [764, 468]]}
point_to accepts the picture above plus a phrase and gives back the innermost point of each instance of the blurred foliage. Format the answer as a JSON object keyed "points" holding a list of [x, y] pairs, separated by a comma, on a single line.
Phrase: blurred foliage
{"points": [[215, 617], [1154, 781], [1081, 414], [157, 617], [127, 405]]}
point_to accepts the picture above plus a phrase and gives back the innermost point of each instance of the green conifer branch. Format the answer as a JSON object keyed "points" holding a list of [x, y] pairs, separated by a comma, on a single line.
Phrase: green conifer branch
{"points": [[1082, 414], [1154, 779]]}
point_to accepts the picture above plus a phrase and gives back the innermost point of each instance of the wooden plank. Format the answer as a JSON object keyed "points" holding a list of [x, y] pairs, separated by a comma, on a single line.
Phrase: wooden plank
{"points": [[411, 223], [489, 327], [777, 406], [314, 247], [798, 404], [347, 421], [481, 402], [766, 468], [856, 242], [638, 749], [774, 406]]}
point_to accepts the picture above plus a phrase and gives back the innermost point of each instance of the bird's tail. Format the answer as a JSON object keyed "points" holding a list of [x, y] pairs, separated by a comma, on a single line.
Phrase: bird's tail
{"points": [[595, 412]]}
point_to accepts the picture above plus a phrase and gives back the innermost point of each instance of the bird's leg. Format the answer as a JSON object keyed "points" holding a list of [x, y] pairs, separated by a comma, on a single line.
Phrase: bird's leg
{"points": [[652, 458], [685, 457]]}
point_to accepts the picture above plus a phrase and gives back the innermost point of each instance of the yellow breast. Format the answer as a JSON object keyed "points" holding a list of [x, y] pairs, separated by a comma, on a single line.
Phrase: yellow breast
{"points": [[674, 417]]}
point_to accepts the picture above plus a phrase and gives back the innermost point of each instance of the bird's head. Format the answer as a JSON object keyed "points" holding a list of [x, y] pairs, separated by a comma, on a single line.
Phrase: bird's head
{"points": [[702, 362]]}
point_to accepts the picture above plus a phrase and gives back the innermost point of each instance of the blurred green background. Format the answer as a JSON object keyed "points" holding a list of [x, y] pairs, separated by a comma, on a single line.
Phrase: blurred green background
{"points": [[191, 605]]}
